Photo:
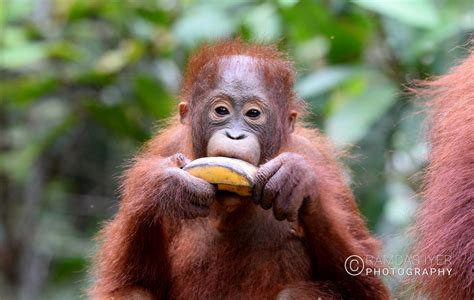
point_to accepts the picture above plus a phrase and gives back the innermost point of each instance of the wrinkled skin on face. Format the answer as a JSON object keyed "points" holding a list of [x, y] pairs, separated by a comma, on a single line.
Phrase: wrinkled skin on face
{"points": [[236, 113], [237, 116]]}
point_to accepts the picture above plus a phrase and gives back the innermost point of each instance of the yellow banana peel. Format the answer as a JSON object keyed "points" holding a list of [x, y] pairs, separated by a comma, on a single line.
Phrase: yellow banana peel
{"points": [[229, 174]]}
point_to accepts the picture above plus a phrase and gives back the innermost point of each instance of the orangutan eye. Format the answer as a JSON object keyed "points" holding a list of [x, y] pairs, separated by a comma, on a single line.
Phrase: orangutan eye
{"points": [[253, 113], [222, 110]]}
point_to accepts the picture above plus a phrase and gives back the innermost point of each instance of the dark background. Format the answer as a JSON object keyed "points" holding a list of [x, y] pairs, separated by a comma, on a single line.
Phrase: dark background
{"points": [[84, 83]]}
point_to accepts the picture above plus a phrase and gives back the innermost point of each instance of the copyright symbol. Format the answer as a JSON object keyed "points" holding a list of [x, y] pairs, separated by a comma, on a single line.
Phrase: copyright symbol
{"points": [[354, 265]]}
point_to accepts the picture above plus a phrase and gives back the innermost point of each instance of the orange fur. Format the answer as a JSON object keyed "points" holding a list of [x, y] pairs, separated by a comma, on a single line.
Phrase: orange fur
{"points": [[445, 223], [250, 255]]}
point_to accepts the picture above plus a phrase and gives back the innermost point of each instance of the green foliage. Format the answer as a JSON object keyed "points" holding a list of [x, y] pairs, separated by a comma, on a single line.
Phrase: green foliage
{"points": [[420, 13], [367, 97], [83, 83]]}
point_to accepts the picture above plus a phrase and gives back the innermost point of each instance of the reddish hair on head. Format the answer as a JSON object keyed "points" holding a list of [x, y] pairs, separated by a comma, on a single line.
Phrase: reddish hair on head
{"points": [[277, 64]]}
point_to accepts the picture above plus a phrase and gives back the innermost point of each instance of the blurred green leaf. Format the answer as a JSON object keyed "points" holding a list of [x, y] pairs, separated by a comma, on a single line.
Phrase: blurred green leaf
{"points": [[322, 81], [18, 162], [420, 13], [153, 98], [353, 116], [66, 267], [21, 56], [14, 10], [116, 118], [25, 90], [13, 36], [65, 50], [156, 14], [263, 22], [114, 60], [203, 22], [433, 39], [312, 50], [347, 32]]}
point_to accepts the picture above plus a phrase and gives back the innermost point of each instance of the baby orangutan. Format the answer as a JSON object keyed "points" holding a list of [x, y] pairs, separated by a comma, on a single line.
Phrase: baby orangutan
{"points": [[175, 236]]}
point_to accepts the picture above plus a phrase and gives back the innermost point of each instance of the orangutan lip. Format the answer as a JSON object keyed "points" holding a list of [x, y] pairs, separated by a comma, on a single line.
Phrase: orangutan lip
{"points": [[232, 156]]}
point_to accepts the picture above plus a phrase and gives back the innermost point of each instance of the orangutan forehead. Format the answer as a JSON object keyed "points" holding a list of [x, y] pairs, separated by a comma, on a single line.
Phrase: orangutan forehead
{"points": [[239, 61], [245, 73], [239, 67]]}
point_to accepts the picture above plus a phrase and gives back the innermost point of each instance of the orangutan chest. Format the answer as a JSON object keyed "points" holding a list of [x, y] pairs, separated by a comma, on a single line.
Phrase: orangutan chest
{"points": [[206, 264]]}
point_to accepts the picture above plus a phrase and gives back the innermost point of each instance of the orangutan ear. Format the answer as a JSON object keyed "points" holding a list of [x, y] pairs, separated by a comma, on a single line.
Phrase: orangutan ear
{"points": [[292, 120], [183, 113]]}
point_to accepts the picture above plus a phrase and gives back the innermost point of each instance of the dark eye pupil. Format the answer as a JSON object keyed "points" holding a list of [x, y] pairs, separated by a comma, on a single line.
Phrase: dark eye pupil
{"points": [[253, 113], [221, 110]]}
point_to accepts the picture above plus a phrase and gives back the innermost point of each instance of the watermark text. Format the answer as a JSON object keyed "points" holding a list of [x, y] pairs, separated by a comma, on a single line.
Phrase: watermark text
{"points": [[398, 265]]}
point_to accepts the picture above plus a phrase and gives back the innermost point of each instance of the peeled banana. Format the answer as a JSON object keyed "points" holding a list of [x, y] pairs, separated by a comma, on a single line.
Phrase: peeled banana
{"points": [[229, 174]]}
